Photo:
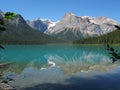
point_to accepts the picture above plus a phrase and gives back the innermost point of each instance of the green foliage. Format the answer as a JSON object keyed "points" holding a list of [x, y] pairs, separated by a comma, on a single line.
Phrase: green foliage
{"points": [[111, 38], [2, 22], [115, 54], [118, 27], [9, 15], [2, 27]]}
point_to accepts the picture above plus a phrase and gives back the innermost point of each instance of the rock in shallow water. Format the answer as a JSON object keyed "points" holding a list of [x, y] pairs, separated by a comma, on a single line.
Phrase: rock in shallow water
{"points": [[5, 86]]}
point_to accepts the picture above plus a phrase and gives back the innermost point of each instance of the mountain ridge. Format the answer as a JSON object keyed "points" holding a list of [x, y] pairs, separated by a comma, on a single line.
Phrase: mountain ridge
{"points": [[81, 27], [70, 28], [19, 32]]}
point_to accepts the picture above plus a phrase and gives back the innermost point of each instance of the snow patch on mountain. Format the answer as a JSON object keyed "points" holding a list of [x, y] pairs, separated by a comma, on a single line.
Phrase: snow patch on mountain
{"points": [[52, 24], [81, 27]]}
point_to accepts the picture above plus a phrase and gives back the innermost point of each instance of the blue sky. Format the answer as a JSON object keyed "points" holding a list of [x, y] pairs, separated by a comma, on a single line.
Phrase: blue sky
{"points": [[55, 9]]}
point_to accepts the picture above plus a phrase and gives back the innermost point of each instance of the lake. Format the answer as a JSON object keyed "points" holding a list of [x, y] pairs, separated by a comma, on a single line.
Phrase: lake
{"points": [[60, 67]]}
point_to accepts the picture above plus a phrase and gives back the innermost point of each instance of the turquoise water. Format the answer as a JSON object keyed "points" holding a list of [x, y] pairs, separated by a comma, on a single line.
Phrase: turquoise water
{"points": [[32, 65]]}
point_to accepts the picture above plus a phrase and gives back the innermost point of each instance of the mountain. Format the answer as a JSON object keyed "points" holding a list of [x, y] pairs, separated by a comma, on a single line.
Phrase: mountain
{"points": [[69, 28], [19, 32], [1, 14], [72, 27], [40, 24], [109, 38], [37, 24]]}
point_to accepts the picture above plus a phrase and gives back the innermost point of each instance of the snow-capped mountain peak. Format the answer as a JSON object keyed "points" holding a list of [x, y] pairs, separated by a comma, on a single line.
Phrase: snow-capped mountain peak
{"points": [[41, 24], [52, 24], [72, 27]]}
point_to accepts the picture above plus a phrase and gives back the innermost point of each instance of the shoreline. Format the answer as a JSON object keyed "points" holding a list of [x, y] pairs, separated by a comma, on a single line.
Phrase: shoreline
{"points": [[67, 44]]}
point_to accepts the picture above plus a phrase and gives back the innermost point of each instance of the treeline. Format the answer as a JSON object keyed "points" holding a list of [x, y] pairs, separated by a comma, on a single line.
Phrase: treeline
{"points": [[111, 38]]}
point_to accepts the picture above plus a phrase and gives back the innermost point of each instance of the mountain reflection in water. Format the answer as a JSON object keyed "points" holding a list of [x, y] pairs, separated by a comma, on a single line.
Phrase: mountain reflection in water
{"points": [[68, 66]]}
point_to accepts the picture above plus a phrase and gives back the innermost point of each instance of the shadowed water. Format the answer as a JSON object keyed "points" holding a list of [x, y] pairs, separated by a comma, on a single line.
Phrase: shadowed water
{"points": [[53, 67]]}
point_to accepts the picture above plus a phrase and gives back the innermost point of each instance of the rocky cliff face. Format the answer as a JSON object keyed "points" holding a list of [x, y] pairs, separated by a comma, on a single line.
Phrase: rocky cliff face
{"points": [[38, 24], [41, 24], [72, 27]]}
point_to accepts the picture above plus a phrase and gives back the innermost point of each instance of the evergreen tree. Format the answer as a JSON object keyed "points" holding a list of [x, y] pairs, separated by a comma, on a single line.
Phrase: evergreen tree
{"points": [[8, 15]]}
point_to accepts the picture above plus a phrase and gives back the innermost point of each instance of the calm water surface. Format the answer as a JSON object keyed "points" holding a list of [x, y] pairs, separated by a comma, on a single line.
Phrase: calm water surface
{"points": [[60, 67]]}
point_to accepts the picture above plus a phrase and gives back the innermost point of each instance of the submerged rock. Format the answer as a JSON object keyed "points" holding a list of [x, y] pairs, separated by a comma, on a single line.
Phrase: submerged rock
{"points": [[5, 86]]}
